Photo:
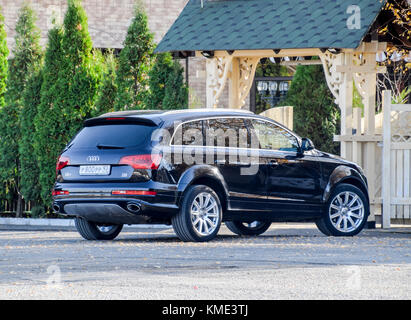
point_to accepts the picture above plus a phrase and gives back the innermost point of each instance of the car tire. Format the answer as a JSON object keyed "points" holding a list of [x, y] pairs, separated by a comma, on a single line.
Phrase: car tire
{"points": [[345, 213], [200, 215], [93, 231], [241, 229], [321, 226]]}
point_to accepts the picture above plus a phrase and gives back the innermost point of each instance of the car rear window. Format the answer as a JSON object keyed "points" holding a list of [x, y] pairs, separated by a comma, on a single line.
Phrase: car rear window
{"points": [[113, 135]]}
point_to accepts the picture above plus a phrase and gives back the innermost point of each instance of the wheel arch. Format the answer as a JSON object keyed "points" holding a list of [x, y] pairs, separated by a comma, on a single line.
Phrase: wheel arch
{"points": [[205, 175], [347, 175]]}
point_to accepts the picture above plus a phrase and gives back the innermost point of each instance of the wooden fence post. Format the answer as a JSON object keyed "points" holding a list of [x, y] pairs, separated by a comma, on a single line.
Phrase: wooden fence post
{"points": [[386, 160]]}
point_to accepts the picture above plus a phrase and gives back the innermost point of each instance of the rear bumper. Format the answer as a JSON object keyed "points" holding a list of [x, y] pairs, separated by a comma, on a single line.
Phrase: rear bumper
{"points": [[116, 211]]}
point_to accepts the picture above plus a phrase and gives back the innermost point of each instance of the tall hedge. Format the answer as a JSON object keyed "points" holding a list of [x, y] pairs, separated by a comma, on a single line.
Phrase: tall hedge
{"points": [[4, 52], [316, 116], [166, 83], [107, 95], [27, 55], [69, 100], [134, 63], [176, 91], [47, 128], [29, 170]]}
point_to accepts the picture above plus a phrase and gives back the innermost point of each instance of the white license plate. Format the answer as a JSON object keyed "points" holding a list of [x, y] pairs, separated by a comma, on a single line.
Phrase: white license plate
{"points": [[102, 170]]}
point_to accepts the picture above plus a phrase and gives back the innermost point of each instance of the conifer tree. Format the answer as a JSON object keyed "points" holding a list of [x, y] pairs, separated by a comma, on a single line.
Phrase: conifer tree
{"points": [[316, 116], [134, 63], [4, 52], [27, 55], [30, 187], [106, 97], [69, 100], [47, 135], [176, 91], [166, 83]]}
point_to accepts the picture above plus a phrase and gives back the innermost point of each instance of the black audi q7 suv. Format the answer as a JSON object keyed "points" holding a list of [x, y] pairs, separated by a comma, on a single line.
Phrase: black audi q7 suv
{"points": [[195, 169]]}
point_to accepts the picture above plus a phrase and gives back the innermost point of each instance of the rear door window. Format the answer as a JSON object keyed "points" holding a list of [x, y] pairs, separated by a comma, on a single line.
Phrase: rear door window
{"points": [[227, 132], [189, 134], [113, 135]]}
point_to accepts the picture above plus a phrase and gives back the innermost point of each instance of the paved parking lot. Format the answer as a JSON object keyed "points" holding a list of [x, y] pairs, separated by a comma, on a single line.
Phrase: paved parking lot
{"points": [[290, 261]]}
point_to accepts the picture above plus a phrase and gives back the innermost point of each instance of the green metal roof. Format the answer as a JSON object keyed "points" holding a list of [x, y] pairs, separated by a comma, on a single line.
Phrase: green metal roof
{"points": [[268, 24]]}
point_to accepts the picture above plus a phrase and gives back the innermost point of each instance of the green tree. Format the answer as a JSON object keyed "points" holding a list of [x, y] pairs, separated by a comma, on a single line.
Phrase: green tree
{"points": [[106, 97], [166, 83], [176, 91], [316, 116], [47, 128], [71, 98], [29, 170], [134, 63], [27, 55], [4, 52]]}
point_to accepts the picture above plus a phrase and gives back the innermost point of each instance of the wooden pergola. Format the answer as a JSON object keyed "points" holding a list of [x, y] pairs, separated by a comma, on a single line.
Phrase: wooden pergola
{"points": [[234, 35]]}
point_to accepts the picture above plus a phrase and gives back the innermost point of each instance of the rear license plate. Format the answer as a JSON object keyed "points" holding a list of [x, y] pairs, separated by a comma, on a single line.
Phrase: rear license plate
{"points": [[101, 170]]}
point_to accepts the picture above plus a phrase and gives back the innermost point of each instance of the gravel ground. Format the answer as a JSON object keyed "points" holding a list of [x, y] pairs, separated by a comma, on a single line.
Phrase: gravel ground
{"points": [[290, 261]]}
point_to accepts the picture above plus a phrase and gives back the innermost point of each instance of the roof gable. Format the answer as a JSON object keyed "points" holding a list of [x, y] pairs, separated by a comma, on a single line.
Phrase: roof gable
{"points": [[268, 24]]}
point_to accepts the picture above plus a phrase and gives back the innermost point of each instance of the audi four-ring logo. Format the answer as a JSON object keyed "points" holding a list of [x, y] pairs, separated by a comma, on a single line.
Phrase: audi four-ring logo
{"points": [[93, 158]]}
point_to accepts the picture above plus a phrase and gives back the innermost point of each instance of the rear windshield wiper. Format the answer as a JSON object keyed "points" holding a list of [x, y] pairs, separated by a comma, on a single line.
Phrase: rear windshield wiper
{"points": [[104, 146]]}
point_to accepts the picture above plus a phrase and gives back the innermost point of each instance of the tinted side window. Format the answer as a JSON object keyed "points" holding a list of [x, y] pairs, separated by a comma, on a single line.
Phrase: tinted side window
{"points": [[273, 137], [189, 134], [227, 132]]}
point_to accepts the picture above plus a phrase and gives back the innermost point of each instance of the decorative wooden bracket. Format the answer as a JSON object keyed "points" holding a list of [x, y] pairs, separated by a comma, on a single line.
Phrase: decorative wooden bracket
{"points": [[333, 77], [217, 73], [247, 72]]}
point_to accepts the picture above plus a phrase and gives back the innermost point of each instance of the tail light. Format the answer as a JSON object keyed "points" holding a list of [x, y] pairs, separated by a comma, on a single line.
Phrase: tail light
{"points": [[134, 192], [60, 193], [61, 163], [142, 161]]}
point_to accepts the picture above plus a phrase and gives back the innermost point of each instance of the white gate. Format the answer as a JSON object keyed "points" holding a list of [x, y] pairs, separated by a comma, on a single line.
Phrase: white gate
{"points": [[396, 168]]}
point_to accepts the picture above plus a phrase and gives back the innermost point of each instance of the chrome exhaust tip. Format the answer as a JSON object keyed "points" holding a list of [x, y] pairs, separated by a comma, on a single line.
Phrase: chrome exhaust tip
{"points": [[133, 207], [56, 208]]}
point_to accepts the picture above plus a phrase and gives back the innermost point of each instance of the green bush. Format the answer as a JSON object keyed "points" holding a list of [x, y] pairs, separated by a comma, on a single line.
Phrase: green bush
{"points": [[29, 169], [27, 55], [107, 95], [166, 83], [134, 64], [316, 116], [68, 96], [37, 212], [47, 129], [4, 52]]}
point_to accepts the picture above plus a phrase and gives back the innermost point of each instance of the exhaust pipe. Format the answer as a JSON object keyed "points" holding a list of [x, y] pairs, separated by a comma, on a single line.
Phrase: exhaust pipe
{"points": [[56, 208], [133, 207]]}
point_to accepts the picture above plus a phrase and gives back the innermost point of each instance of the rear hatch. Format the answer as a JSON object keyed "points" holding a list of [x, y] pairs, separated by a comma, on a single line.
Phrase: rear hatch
{"points": [[111, 149]]}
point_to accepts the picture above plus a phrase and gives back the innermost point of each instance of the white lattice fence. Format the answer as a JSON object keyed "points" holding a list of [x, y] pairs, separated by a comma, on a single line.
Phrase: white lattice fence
{"points": [[396, 170]]}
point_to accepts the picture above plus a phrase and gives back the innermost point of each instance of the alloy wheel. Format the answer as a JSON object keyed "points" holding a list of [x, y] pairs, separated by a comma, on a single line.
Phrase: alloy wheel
{"points": [[205, 213], [346, 211]]}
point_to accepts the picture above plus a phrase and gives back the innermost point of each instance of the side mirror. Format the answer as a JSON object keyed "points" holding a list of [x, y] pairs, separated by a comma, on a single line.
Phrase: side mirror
{"points": [[306, 145]]}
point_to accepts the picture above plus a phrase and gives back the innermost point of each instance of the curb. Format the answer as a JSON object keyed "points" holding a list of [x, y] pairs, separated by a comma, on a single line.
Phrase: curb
{"points": [[62, 223]]}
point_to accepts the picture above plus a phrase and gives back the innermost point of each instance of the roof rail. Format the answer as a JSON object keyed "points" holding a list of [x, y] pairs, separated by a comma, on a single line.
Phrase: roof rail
{"points": [[205, 109]]}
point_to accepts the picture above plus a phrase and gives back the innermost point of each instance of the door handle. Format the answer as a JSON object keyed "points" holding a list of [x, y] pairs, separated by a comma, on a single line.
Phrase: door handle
{"points": [[221, 161], [273, 162]]}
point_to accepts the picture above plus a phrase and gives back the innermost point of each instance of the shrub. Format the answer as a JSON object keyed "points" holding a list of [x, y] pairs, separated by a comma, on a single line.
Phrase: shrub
{"points": [[134, 63], [71, 84], [316, 116], [27, 55]]}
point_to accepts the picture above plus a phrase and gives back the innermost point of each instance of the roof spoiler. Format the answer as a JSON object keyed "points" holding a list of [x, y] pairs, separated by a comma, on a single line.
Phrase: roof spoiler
{"points": [[119, 120]]}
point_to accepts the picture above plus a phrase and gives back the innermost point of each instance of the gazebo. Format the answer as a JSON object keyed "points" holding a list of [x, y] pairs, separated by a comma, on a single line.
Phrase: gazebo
{"points": [[233, 35]]}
